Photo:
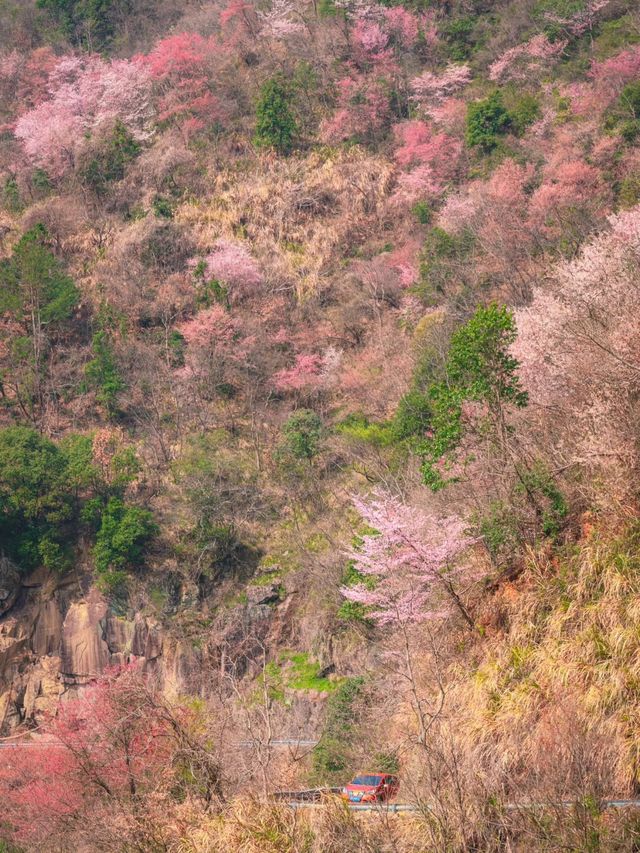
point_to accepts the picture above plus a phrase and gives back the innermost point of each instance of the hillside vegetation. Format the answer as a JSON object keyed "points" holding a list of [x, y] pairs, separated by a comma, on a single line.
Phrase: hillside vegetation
{"points": [[319, 383]]}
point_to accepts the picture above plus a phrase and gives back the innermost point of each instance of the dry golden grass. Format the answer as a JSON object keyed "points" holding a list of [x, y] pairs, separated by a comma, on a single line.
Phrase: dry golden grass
{"points": [[557, 700], [297, 212], [251, 827]]}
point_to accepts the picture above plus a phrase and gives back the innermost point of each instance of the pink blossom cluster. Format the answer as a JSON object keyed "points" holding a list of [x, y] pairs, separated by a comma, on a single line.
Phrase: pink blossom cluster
{"points": [[230, 263], [497, 209], [180, 55], [403, 26], [609, 77], [183, 66], [305, 375], [279, 21], [404, 260], [520, 62], [433, 158], [362, 110], [211, 326], [371, 40], [410, 557], [580, 21], [430, 89], [310, 372], [87, 95], [568, 185]]}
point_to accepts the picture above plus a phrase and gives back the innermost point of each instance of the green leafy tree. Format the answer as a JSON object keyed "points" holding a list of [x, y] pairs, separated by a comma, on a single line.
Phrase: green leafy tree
{"points": [[102, 373], [486, 120], [479, 369], [39, 296], [332, 757], [302, 434], [276, 125], [36, 498], [479, 360], [458, 34], [120, 149], [91, 23], [123, 534]]}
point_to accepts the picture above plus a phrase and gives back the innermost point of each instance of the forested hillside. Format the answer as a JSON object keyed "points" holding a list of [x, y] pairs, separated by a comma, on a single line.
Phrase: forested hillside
{"points": [[319, 406]]}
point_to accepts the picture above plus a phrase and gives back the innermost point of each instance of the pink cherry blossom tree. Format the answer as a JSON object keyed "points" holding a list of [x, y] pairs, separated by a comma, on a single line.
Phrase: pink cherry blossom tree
{"points": [[571, 200], [434, 159], [183, 68], [430, 89], [87, 95], [362, 109], [579, 349], [412, 560], [403, 26], [305, 376], [231, 264], [215, 356], [521, 62], [281, 20]]}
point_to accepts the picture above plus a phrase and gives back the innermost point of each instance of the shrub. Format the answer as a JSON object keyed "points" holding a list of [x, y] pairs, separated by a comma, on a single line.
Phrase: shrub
{"points": [[162, 207], [110, 164], [386, 762], [102, 373], [523, 112], [486, 120], [332, 755], [38, 485], [166, 249], [124, 531], [276, 125], [554, 509], [422, 212], [412, 417], [302, 433], [11, 195], [441, 258], [499, 530], [624, 116], [355, 611], [629, 191]]}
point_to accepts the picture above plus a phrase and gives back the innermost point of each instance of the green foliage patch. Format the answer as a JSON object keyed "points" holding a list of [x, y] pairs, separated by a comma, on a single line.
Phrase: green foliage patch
{"points": [[302, 434], [110, 165], [486, 121], [90, 23], [276, 125], [479, 369], [103, 374], [332, 756]]}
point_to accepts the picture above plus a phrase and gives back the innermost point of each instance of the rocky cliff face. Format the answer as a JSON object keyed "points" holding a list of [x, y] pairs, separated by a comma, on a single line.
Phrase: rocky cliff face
{"points": [[59, 633]]}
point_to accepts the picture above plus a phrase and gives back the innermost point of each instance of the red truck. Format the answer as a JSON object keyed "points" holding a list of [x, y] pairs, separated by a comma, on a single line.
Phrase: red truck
{"points": [[371, 788]]}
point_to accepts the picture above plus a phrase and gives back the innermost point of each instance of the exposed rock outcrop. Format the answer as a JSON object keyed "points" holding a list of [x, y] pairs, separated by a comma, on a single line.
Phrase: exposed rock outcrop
{"points": [[9, 585], [61, 633], [55, 640]]}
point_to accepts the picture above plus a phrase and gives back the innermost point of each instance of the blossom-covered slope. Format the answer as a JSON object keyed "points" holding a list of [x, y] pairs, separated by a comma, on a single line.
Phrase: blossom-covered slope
{"points": [[319, 364]]}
